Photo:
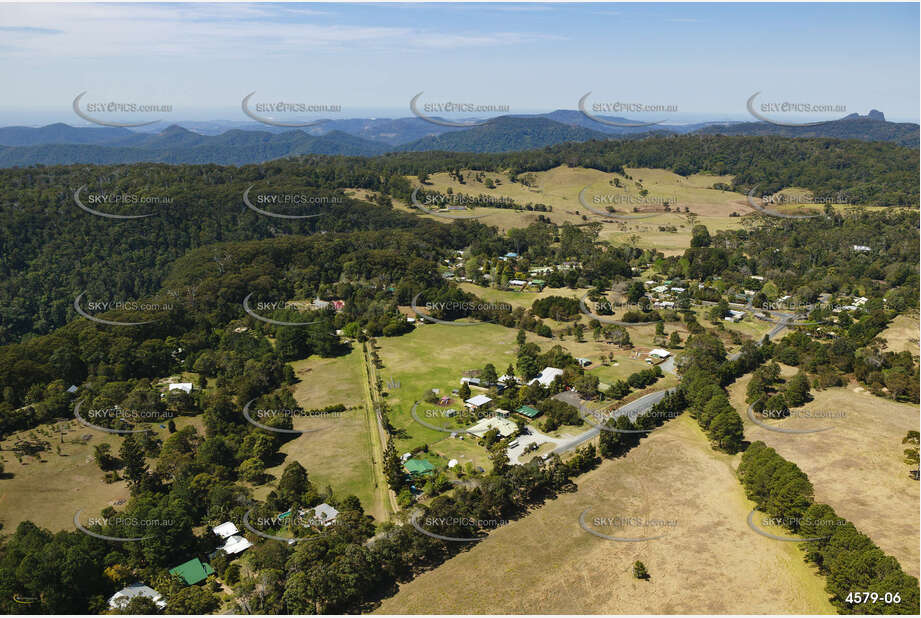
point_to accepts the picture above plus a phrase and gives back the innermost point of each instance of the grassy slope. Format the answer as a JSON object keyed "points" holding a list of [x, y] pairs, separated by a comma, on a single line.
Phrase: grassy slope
{"points": [[710, 562]]}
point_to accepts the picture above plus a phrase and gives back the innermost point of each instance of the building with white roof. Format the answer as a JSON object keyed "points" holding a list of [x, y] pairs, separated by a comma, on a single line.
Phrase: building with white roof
{"points": [[504, 426], [185, 387], [547, 376], [120, 599], [659, 353], [477, 401], [325, 514], [235, 544], [226, 529]]}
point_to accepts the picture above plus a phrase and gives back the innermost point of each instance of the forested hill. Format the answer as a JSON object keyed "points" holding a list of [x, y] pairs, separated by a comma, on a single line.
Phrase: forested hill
{"points": [[44, 234], [853, 127]]}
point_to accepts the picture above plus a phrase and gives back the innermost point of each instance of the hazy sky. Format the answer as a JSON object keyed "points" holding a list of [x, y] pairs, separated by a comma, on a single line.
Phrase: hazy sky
{"points": [[703, 58]]}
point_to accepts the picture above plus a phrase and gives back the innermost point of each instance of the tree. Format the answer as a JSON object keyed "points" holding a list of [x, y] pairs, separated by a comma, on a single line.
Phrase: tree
{"points": [[252, 470], [464, 392], [393, 470], [104, 458], [192, 600], [797, 390], [700, 236], [132, 456], [674, 340], [489, 375], [639, 570]]}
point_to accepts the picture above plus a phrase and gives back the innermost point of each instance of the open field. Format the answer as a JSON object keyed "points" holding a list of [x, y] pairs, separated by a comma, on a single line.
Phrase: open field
{"points": [[559, 188], [708, 561], [856, 467], [336, 450], [435, 356], [902, 334], [328, 381], [49, 493]]}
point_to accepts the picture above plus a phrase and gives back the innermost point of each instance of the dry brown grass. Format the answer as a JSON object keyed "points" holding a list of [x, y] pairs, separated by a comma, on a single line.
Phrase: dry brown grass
{"points": [[857, 466], [902, 334], [710, 562]]}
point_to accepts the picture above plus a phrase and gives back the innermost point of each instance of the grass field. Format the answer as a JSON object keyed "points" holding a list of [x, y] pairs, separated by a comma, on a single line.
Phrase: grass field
{"points": [[902, 334], [559, 188], [335, 451], [435, 356], [49, 488], [856, 467], [708, 562]]}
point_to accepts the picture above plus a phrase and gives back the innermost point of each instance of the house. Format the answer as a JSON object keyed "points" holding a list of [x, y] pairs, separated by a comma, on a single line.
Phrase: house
{"points": [[452, 463], [325, 514], [659, 353], [192, 572], [861, 248], [504, 426], [226, 529], [235, 544], [756, 277], [583, 362], [734, 316], [185, 387], [860, 300], [72, 389], [502, 413], [477, 401], [517, 282], [120, 599], [511, 254], [538, 282], [528, 412], [471, 381], [663, 304], [547, 376], [659, 289], [508, 379], [418, 467], [677, 290]]}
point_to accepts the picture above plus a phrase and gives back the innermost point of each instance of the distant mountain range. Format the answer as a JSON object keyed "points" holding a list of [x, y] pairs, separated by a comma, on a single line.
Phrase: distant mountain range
{"points": [[63, 144]]}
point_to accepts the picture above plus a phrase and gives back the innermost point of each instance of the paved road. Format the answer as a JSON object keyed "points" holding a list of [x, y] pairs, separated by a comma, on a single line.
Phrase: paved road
{"points": [[635, 408]]}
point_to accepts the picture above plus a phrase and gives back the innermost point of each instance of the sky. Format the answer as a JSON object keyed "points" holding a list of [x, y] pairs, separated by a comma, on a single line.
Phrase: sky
{"points": [[704, 59]]}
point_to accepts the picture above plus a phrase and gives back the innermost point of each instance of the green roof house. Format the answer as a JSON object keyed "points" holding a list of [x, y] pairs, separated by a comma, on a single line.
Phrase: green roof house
{"points": [[418, 467], [193, 571], [528, 411]]}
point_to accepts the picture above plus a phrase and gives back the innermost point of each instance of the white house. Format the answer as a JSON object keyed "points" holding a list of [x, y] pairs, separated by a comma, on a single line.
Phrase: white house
{"points": [[235, 544], [517, 282], [477, 401], [547, 376], [226, 529], [185, 387], [659, 353], [734, 316], [325, 514], [121, 598], [862, 248]]}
